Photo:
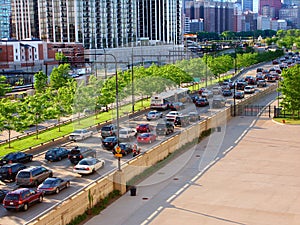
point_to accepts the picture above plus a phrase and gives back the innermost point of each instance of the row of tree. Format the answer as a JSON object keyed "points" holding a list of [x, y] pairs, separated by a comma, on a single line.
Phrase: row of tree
{"points": [[285, 38], [64, 96]]}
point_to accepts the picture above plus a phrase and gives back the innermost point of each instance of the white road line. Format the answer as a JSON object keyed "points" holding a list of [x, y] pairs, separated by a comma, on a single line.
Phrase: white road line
{"points": [[179, 191], [170, 199], [228, 149], [152, 215], [159, 208], [145, 222], [186, 185]]}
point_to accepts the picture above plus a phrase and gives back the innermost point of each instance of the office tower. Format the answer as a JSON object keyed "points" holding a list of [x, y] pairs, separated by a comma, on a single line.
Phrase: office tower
{"points": [[97, 23], [247, 5], [276, 4], [5, 12]]}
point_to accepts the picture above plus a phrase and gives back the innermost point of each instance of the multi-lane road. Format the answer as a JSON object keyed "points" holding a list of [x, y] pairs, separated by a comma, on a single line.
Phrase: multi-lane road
{"points": [[65, 169]]}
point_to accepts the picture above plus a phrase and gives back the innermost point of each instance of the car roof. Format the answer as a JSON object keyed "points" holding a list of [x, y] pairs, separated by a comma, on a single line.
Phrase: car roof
{"points": [[18, 191]]}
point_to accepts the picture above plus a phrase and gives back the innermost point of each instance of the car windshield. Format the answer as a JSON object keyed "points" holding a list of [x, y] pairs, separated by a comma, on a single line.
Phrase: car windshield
{"points": [[85, 162], [161, 125], [109, 139], [152, 113], [123, 131], [143, 125], [106, 128], [77, 131], [12, 197], [10, 156], [24, 174], [145, 135], [49, 181]]}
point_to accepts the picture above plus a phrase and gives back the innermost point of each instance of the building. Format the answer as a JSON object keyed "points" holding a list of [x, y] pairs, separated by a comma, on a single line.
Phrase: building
{"points": [[217, 16], [249, 21], [97, 24], [5, 13], [291, 15], [276, 4], [263, 23], [247, 5]]}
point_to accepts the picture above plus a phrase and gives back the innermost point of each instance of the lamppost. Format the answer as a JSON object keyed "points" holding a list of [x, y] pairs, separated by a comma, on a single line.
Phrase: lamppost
{"points": [[117, 98], [234, 101]]}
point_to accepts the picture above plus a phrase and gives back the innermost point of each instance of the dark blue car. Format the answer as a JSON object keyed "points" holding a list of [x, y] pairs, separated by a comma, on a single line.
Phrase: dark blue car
{"points": [[16, 157], [56, 154]]}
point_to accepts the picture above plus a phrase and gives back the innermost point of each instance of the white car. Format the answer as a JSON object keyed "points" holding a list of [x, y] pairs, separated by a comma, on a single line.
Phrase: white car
{"points": [[153, 115], [171, 116], [207, 94], [127, 133], [249, 89], [80, 134], [88, 165]]}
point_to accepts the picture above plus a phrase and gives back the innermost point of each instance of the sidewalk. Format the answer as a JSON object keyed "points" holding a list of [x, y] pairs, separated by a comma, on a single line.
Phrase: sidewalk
{"points": [[255, 181]]}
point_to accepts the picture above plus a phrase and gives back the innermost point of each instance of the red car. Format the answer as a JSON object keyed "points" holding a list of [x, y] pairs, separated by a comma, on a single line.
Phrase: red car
{"points": [[201, 102], [22, 198], [143, 128], [146, 138]]}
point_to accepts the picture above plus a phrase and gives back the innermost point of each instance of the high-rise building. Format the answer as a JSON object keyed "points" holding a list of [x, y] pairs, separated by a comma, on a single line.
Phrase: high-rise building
{"points": [[247, 5], [217, 16], [276, 4], [5, 12], [291, 15], [97, 23]]}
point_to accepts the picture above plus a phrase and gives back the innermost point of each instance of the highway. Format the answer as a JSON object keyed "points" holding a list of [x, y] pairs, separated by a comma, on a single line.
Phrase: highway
{"points": [[64, 168]]}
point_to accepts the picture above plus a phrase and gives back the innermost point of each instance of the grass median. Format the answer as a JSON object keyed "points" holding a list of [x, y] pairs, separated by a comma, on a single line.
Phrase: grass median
{"points": [[48, 135]]}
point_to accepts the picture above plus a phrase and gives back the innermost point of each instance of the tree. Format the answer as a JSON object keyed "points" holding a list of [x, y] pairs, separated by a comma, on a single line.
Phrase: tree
{"points": [[59, 76], [11, 118], [36, 109], [40, 81], [290, 89], [4, 87], [59, 56]]}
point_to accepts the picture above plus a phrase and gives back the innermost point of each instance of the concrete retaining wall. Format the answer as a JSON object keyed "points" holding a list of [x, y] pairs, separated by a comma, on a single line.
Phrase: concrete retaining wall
{"points": [[78, 204]]}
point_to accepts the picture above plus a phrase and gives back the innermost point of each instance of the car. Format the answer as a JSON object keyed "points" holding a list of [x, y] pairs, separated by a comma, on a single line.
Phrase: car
{"points": [[175, 106], [201, 102], [126, 148], [207, 94], [80, 134], [259, 69], [227, 92], [57, 154], [53, 185], [171, 116], [182, 120], [110, 142], [22, 198], [249, 89], [261, 83], [238, 95], [9, 171], [78, 153], [194, 117], [33, 176], [146, 138], [217, 90], [201, 90], [143, 128], [108, 130], [3, 194], [153, 115], [16, 157], [164, 128], [194, 98], [88, 165], [127, 133], [240, 85]]}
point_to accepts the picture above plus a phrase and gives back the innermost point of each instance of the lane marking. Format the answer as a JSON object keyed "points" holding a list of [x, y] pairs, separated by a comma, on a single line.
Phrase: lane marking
{"points": [[228, 149], [170, 199]]}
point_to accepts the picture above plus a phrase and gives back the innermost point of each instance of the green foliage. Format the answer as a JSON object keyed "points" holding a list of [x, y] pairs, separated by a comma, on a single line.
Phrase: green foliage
{"points": [[40, 81], [4, 87], [59, 76], [59, 56], [286, 38], [290, 89]]}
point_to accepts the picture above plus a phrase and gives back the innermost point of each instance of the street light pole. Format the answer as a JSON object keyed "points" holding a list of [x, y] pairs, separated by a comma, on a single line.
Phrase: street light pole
{"points": [[132, 81], [234, 97], [117, 98]]}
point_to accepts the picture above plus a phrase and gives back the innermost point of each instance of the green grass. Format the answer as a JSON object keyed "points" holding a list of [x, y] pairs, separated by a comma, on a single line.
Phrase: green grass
{"points": [[31, 141], [287, 120]]}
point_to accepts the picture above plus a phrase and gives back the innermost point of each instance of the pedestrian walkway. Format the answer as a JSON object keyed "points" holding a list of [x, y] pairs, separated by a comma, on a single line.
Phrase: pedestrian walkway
{"points": [[254, 180]]}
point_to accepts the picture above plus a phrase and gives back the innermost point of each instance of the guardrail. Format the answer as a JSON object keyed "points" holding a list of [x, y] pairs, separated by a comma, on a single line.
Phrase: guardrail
{"points": [[77, 203]]}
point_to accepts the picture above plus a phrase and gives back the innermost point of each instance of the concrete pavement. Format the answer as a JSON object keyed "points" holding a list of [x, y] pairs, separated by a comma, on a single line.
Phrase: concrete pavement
{"points": [[254, 179]]}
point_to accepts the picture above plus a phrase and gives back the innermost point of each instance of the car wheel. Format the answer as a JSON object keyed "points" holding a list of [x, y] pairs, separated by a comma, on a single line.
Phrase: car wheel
{"points": [[51, 175], [41, 198], [57, 190], [93, 171], [30, 159], [8, 209], [59, 158], [25, 207]]}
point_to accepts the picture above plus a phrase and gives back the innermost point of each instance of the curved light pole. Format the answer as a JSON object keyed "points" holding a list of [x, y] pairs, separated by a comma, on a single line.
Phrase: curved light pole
{"points": [[117, 97]]}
